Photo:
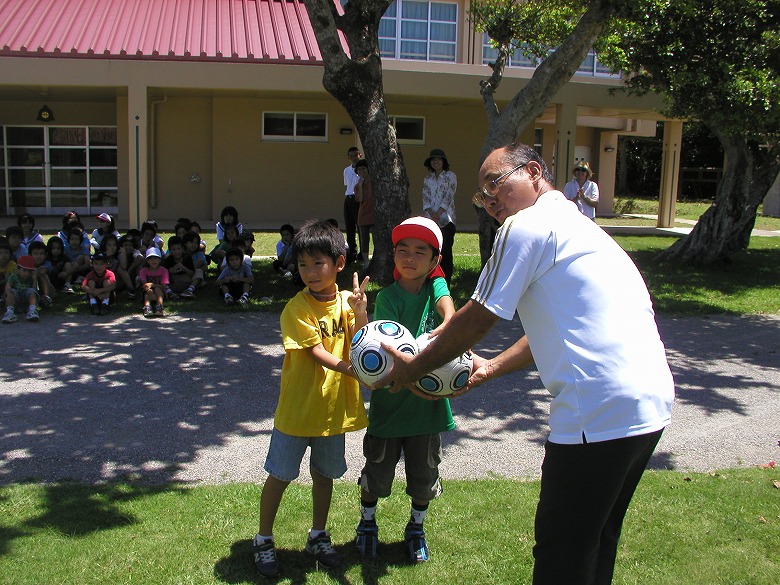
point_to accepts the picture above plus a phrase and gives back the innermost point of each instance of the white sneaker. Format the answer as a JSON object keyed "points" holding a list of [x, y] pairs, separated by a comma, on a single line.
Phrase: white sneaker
{"points": [[32, 313], [10, 316]]}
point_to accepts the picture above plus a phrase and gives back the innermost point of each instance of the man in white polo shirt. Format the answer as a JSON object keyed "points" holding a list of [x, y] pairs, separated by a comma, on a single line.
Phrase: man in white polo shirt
{"points": [[590, 329]]}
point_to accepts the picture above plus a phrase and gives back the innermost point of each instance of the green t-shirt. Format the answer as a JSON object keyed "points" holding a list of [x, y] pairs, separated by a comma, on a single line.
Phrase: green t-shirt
{"points": [[403, 414]]}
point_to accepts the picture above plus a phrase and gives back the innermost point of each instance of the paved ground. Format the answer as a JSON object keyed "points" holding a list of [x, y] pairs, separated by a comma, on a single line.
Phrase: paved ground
{"points": [[191, 398]]}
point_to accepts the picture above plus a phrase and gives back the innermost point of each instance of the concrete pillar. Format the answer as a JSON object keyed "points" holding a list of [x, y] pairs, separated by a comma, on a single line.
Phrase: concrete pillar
{"points": [[607, 168], [670, 173], [565, 136], [138, 154]]}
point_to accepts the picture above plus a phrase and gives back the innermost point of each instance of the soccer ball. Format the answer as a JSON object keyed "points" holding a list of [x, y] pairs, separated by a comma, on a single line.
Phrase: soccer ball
{"points": [[372, 363], [448, 378]]}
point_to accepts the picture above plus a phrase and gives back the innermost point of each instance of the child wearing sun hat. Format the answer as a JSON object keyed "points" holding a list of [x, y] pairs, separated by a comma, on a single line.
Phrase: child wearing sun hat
{"points": [[402, 422]]}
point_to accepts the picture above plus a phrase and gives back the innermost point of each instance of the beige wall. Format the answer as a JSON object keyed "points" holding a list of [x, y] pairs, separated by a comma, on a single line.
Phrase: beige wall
{"points": [[271, 182]]}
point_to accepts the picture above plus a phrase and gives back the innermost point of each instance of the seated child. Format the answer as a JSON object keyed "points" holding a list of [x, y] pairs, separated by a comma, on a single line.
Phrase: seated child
{"points": [[249, 238], [29, 234], [106, 226], [239, 243], [38, 252], [131, 259], [77, 261], [225, 243], [181, 270], [109, 246], [181, 227], [228, 216], [154, 281], [99, 284], [55, 254], [14, 235], [149, 237], [195, 228], [285, 263], [236, 278], [7, 266], [21, 291], [191, 242]]}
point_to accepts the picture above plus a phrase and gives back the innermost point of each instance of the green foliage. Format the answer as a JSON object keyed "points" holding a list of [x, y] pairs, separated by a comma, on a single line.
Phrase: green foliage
{"points": [[718, 62], [532, 27]]}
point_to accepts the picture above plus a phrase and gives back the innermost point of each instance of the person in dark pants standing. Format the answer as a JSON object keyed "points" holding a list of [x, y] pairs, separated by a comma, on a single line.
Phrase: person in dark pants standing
{"points": [[351, 206], [590, 329]]}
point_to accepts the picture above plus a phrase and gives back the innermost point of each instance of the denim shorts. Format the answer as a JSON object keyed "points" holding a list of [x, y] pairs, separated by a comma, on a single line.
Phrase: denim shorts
{"points": [[422, 455], [22, 300], [285, 454]]}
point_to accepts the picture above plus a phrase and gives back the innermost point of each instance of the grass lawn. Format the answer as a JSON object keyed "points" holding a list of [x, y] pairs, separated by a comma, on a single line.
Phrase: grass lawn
{"points": [[681, 528]]}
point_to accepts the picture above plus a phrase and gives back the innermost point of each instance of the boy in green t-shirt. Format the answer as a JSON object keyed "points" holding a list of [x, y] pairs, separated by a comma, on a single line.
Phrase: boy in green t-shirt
{"points": [[399, 422], [319, 399], [21, 290]]}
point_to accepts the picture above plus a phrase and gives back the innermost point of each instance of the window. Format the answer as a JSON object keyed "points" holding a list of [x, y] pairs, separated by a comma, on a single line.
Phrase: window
{"points": [[409, 129], [423, 31], [295, 126], [590, 66]]}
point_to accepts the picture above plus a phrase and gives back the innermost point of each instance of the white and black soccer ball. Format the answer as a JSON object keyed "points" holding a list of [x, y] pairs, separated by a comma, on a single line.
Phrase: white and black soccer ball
{"points": [[372, 363], [448, 378]]}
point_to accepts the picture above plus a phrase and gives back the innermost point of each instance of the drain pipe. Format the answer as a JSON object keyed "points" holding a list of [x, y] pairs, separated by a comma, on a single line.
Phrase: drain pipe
{"points": [[153, 152]]}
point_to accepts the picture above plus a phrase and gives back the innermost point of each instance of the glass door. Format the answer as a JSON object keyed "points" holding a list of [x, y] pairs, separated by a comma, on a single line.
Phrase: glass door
{"points": [[53, 169]]}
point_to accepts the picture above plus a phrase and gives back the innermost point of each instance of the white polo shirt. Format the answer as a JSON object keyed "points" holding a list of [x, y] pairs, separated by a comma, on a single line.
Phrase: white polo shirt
{"points": [[589, 320]]}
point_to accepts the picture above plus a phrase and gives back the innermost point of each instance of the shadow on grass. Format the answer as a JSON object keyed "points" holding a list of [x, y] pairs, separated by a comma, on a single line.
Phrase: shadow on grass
{"points": [[296, 565]]}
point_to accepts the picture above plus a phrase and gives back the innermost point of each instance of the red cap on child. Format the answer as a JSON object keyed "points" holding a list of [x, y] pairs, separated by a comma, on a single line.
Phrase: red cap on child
{"points": [[26, 262], [420, 228]]}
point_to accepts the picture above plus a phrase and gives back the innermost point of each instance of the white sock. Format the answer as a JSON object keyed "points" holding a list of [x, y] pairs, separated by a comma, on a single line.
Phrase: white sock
{"points": [[418, 516], [368, 513], [93, 301], [316, 533], [260, 539], [105, 301]]}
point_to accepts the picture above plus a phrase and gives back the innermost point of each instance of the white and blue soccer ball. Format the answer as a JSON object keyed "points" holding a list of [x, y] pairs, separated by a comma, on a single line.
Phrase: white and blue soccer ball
{"points": [[372, 363], [448, 378]]}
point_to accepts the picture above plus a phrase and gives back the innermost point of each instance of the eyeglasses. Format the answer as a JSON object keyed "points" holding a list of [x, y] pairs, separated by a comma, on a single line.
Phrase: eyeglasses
{"points": [[491, 188]]}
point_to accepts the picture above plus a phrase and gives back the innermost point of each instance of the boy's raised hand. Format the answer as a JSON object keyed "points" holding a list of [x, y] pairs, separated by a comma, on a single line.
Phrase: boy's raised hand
{"points": [[358, 299]]}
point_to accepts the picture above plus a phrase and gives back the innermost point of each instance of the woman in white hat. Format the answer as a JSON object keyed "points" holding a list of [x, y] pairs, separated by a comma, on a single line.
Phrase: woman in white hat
{"points": [[438, 201], [583, 191]]}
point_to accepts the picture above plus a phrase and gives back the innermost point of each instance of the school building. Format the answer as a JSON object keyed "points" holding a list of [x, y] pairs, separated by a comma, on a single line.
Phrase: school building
{"points": [[169, 108]]}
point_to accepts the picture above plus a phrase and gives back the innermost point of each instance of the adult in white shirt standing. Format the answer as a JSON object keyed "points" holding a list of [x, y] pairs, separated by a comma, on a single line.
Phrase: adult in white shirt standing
{"points": [[591, 331], [583, 191], [351, 205]]}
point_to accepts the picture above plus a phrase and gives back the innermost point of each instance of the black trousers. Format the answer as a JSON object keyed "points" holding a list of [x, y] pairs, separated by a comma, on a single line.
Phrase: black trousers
{"points": [[585, 493], [350, 225], [448, 241]]}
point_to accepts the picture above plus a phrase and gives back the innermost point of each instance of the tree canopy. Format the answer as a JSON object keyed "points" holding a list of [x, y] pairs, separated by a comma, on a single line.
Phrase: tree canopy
{"points": [[717, 62]]}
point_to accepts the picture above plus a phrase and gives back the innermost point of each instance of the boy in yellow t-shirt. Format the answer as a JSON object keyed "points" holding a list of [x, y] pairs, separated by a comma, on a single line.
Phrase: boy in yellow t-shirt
{"points": [[320, 398]]}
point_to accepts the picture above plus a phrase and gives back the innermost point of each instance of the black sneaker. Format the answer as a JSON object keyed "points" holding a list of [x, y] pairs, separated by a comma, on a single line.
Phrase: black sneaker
{"points": [[416, 546], [265, 558], [367, 538], [321, 548], [103, 310]]}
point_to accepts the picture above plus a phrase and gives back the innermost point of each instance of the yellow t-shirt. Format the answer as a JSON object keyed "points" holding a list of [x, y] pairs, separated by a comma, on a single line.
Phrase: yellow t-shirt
{"points": [[315, 401], [9, 268]]}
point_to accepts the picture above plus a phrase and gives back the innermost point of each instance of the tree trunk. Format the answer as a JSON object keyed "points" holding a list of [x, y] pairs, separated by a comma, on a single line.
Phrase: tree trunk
{"points": [[551, 75], [356, 82], [724, 229]]}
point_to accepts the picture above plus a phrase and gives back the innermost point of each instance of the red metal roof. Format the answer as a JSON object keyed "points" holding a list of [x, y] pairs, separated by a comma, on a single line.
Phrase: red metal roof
{"points": [[190, 30]]}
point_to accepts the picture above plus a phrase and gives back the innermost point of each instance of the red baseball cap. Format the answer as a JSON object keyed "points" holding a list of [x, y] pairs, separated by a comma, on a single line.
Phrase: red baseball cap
{"points": [[26, 262], [423, 229]]}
